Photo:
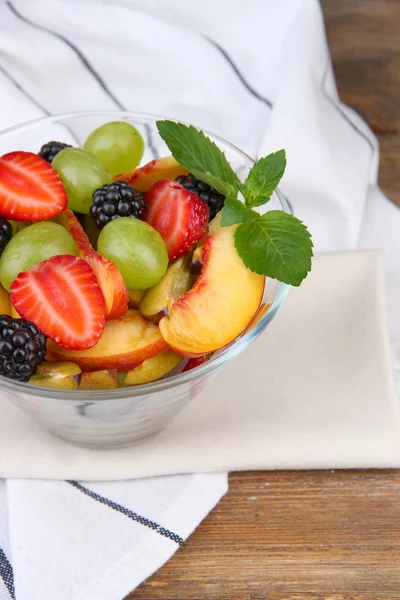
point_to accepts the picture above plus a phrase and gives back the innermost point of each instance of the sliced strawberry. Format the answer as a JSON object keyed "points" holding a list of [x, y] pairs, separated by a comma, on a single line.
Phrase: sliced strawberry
{"points": [[62, 298], [30, 189], [108, 276], [180, 216]]}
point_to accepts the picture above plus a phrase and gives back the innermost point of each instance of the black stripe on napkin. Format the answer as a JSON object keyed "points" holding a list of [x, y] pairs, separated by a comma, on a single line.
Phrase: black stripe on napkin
{"points": [[7, 573], [88, 66], [339, 108], [128, 513], [23, 91], [235, 69]]}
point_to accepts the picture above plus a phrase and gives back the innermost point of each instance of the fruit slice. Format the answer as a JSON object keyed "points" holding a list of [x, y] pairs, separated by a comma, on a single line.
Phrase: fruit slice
{"points": [[144, 177], [99, 380], [5, 302], [178, 215], [62, 298], [192, 363], [135, 297], [151, 369], [222, 302], [125, 344], [90, 228], [176, 282], [32, 245], [30, 189], [57, 375], [108, 276]]}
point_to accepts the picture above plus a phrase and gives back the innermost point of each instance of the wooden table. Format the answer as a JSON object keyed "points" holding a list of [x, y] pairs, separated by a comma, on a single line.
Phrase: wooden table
{"points": [[320, 535]]}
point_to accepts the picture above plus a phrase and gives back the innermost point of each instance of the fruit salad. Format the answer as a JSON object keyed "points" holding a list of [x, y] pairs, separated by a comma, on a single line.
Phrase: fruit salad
{"points": [[114, 274]]}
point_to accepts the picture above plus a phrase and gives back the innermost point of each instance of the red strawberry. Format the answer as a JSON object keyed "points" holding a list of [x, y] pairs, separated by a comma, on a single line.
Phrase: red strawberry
{"points": [[30, 189], [62, 298], [180, 216], [196, 362]]}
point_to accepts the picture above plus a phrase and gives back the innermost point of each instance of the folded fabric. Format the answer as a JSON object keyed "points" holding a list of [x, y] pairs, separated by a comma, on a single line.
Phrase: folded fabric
{"points": [[315, 391]]}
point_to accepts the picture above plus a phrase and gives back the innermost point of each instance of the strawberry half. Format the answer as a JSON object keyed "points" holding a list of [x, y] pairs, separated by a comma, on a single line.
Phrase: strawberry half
{"points": [[30, 189], [180, 216], [62, 298]]}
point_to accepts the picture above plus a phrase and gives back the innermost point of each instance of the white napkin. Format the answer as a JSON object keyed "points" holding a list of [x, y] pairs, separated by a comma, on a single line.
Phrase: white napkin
{"points": [[256, 72]]}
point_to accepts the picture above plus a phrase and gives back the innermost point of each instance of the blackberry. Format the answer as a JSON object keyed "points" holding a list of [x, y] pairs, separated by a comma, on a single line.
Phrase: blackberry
{"points": [[115, 200], [5, 233], [22, 348], [214, 200], [50, 150]]}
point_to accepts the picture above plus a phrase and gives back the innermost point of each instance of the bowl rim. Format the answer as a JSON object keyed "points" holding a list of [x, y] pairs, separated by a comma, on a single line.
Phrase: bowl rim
{"points": [[223, 355]]}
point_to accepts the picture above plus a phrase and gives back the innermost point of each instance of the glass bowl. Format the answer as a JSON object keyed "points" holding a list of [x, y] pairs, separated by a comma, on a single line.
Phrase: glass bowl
{"points": [[112, 418]]}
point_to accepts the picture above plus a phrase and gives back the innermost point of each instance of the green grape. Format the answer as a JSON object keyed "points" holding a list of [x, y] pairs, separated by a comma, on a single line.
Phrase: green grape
{"points": [[81, 174], [137, 249], [32, 245], [118, 145]]}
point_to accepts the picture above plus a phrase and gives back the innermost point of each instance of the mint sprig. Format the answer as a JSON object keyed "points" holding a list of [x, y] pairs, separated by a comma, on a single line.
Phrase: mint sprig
{"points": [[236, 212], [263, 178], [193, 150], [275, 244]]}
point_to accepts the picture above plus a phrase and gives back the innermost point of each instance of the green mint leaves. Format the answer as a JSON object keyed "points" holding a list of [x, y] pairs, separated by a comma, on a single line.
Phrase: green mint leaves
{"points": [[275, 244], [263, 178], [198, 154]]}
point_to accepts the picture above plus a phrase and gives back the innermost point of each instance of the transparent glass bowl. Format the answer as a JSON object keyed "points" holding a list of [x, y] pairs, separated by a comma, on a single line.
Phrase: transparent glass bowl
{"points": [[112, 418]]}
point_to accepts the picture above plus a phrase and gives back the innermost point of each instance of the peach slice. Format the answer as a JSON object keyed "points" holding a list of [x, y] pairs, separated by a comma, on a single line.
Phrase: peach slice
{"points": [[99, 380], [108, 276], [126, 343], [221, 303], [5, 302], [152, 369], [57, 375], [144, 177]]}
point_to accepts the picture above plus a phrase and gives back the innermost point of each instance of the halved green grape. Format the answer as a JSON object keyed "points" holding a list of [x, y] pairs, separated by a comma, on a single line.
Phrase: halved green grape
{"points": [[32, 245], [137, 249], [118, 145], [81, 174]]}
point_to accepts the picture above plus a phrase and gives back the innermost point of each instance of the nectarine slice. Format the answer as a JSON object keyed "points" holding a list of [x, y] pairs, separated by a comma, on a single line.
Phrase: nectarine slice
{"points": [[221, 303], [126, 343], [152, 369], [144, 177]]}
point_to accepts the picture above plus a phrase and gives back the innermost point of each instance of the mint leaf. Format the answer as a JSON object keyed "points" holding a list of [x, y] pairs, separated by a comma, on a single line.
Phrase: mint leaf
{"points": [[264, 178], [199, 155], [277, 245], [235, 211]]}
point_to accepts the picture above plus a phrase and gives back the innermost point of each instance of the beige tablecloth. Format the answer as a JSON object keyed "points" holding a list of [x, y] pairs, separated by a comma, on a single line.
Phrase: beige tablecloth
{"points": [[314, 391]]}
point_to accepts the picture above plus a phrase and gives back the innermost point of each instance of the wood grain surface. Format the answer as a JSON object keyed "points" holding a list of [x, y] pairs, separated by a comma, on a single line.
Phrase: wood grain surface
{"points": [[312, 535]]}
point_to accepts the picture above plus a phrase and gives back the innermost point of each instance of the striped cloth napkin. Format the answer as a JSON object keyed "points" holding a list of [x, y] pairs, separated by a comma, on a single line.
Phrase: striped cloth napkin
{"points": [[256, 72]]}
